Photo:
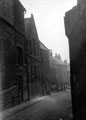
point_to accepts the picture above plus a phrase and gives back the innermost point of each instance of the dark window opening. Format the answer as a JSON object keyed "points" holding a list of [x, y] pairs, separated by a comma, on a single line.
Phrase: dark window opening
{"points": [[19, 56]]}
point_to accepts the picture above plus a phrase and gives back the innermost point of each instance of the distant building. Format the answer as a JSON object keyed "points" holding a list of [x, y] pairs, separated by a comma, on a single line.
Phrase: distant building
{"points": [[60, 71], [68, 80], [12, 37], [52, 64], [45, 68], [33, 58]]}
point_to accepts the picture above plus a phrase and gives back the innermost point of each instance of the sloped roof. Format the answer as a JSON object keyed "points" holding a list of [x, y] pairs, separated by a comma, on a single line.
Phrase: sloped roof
{"points": [[23, 8], [30, 27], [42, 46]]}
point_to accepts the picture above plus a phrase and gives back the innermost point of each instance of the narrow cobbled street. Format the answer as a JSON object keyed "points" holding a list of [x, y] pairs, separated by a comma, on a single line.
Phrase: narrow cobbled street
{"points": [[54, 107]]}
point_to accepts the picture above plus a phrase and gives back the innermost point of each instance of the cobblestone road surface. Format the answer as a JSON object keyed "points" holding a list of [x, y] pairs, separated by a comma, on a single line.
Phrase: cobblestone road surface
{"points": [[55, 107]]}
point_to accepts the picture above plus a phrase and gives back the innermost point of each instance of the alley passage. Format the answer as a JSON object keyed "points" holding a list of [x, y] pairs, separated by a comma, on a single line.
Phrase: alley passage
{"points": [[55, 107]]}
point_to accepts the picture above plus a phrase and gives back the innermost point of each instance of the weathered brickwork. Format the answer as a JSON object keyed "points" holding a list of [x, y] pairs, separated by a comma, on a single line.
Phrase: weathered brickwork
{"points": [[7, 10], [19, 17], [8, 71], [34, 59], [12, 67], [21, 65], [12, 11], [45, 69], [9, 98], [9, 56], [1, 57]]}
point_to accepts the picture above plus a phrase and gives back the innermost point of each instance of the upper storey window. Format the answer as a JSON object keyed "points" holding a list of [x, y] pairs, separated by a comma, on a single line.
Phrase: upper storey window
{"points": [[19, 56]]}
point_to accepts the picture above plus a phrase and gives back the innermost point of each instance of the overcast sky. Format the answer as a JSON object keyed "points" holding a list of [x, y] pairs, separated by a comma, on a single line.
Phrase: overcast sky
{"points": [[49, 19]]}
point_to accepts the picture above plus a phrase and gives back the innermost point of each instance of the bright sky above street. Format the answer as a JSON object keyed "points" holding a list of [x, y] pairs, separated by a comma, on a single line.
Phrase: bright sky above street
{"points": [[49, 19]]}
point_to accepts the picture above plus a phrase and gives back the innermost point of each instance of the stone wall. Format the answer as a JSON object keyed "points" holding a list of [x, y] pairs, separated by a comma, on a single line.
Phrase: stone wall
{"points": [[7, 10], [8, 49], [8, 98], [12, 35]]}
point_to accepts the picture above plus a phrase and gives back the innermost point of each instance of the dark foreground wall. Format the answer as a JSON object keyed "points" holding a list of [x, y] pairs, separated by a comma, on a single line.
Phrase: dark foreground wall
{"points": [[75, 26]]}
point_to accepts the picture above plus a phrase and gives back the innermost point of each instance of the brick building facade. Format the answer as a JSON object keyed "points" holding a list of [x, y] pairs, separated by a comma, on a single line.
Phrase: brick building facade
{"points": [[45, 69], [12, 37], [34, 59], [20, 56]]}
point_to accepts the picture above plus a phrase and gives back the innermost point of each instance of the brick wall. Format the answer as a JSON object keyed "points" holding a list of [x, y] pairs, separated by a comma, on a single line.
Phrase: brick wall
{"points": [[11, 35], [19, 17], [45, 70], [34, 60], [8, 56], [8, 98], [6, 10], [13, 12], [8, 92], [1, 57]]}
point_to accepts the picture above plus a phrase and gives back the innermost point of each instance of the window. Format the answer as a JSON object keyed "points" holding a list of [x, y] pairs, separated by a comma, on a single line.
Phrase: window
{"points": [[30, 46], [32, 74], [35, 72], [39, 72], [19, 56]]}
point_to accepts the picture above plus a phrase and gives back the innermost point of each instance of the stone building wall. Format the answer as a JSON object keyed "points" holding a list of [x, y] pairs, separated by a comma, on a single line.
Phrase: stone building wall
{"points": [[45, 68], [7, 11], [60, 76], [8, 68], [34, 60], [12, 36]]}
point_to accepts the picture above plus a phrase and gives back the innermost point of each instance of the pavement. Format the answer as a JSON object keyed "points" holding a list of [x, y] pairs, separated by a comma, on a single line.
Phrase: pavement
{"points": [[11, 111], [56, 105]]}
